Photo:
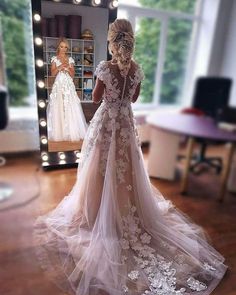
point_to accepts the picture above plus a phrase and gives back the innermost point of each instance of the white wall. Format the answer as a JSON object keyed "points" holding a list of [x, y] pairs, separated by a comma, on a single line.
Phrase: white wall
{"points": [[205, 34], [219, 42], [228, 65], [93, 18]]}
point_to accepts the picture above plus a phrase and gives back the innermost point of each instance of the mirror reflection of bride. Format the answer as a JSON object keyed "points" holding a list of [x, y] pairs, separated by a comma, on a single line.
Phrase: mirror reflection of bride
{"points": [[66, 121]]}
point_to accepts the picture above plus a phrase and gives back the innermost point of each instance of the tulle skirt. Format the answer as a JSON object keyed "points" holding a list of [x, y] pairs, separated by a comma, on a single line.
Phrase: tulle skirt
{"points": [[65, 117], [115, 233]]}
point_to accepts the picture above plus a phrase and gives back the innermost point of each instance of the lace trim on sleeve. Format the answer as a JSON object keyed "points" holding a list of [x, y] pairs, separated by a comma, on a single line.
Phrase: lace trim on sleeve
{"points": [[71, 60], [53, 59], [100, 70], [140, 74]]}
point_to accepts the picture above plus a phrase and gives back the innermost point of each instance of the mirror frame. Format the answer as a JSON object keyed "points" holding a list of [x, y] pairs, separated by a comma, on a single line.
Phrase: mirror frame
{"points": [[58, 159]]}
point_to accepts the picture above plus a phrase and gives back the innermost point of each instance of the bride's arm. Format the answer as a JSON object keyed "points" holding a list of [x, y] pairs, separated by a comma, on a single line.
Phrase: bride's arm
{"points": [[55, 70], [98, 91], [71, 70]]}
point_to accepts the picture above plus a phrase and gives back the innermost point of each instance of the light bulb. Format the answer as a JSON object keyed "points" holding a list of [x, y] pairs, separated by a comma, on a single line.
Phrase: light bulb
{"points": [[44, 140], [44, 156], [43, 123], [78, 154], [62, 162], [96, 2], [42, 104], [114, 3], [62, 156], [38, 41], [45, 164], [40, 84], [37, 17], [39, 63]]}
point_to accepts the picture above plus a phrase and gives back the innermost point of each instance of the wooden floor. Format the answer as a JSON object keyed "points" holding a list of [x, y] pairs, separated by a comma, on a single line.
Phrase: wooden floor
{"points": [[36, 192]]}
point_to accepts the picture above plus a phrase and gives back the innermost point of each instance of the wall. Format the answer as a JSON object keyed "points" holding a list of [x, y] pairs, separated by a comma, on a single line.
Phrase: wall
{"points": [[228, 64]]}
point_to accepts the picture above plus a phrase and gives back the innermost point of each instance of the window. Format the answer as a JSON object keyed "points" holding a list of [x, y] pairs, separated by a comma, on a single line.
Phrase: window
{"points": [[16, 33], [164, 36]]}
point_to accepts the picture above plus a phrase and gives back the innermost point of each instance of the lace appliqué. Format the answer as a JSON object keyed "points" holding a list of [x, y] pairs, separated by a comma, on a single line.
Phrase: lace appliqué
{"points": [[113, 122], [160, 273], [196, 285]]}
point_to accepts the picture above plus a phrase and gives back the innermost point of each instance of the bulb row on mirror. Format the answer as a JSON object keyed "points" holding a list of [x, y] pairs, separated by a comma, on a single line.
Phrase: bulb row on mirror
{"points": [[113, 4], [61, 157]]}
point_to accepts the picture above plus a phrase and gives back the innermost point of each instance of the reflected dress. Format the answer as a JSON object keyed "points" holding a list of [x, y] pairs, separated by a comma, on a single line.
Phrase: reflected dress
{"points": [[65, 117], [115, 233]]}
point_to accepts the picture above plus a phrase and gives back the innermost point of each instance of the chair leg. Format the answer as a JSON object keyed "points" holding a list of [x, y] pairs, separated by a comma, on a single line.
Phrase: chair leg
{"points": [[226, 171]]}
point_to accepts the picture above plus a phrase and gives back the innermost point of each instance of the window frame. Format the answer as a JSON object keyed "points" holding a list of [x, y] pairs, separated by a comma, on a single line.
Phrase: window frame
{"points": [[164, 17]]}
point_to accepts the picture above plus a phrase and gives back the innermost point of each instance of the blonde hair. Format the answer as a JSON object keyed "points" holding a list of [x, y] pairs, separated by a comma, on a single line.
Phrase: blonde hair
{"points": [[62, 40], [121, 43]]}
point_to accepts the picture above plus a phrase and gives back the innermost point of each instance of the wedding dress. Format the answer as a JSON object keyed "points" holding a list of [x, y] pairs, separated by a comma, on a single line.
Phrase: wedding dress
{"points": [[65, 116], [115, 233]]}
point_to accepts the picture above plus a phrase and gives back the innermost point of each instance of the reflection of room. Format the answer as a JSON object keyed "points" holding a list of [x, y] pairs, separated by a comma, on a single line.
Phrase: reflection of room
{"points": [[87, 47], [188, 138]]}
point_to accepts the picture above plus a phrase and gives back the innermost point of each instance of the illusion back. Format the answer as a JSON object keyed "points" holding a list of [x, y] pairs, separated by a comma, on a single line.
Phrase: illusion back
{"points": [[119, 89]]}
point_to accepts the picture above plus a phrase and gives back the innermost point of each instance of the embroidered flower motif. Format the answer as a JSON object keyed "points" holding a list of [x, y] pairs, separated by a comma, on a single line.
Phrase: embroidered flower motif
{"points": [[196, 285], [133, 209], [123, 259], [113, 112], [160, 273], [145, 238], [125, 289], [117, 125], [124, 244], [133, 275], [209, 267], [129, 187], [113, 121], [124, 111]]}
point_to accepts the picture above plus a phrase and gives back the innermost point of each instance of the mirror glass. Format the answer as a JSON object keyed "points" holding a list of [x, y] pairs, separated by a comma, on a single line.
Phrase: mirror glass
{"points": [[74, 41]]}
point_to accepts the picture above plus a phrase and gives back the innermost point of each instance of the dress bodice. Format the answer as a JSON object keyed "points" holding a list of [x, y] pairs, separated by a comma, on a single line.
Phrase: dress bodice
{"points": [[119, 90], [57, 61]]}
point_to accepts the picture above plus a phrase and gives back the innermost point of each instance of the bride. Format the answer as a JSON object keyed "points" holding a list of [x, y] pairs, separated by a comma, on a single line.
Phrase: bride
{"points": [[115, 233], [66, 120]]}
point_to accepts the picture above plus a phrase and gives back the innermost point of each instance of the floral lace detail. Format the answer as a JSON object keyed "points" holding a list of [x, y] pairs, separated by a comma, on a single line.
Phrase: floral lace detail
{"points": [[161, 274], [113, 121], [196, 285]]}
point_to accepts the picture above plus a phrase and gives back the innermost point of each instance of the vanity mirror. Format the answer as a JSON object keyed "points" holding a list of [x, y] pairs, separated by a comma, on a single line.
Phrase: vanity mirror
{"points": [[83, 25]]}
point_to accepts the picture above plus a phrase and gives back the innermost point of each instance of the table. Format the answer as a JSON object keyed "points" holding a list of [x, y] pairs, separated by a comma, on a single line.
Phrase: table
{"points": [[193, 127]]}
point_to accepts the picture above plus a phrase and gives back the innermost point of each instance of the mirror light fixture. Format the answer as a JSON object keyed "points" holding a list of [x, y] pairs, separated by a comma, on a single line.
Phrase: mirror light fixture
{"points": [[43, 123], [62, 156], [44, 140], [38, 41], [37, 17], [114, 4], [44, 157], [42, 104], [40, 84], [51, 159], [96, 2], [39, 62]]}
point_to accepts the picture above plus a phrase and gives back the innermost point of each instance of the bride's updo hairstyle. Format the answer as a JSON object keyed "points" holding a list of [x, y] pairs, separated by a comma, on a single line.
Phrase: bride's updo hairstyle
{"points": [[121, 43]]}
